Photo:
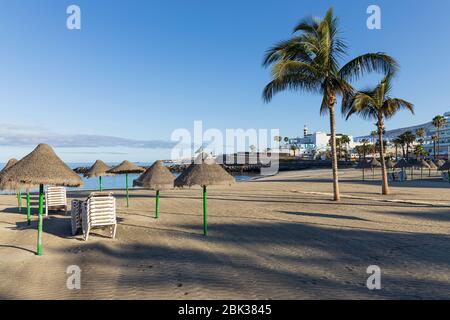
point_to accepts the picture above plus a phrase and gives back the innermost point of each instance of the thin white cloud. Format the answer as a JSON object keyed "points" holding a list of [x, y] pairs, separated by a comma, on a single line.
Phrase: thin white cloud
{"points": [[17, 136]]}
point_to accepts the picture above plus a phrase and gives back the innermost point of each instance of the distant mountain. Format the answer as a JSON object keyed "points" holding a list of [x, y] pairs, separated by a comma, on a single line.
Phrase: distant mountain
{"points": [[392, 134]]}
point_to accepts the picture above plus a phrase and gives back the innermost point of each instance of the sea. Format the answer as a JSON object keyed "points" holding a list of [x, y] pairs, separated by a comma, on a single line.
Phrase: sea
{"points": [[118, 181]]}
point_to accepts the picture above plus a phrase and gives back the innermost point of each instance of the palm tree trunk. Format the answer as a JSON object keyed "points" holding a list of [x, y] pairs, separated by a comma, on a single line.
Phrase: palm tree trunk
{"points": [[385, 187], [434, 150], [337, 196], [439, 144]]}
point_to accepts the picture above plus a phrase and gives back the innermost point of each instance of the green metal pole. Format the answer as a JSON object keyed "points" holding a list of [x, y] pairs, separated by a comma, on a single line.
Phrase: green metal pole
{"points": [[157, 204], [41, 211], [205, 223], [126, 182], [100, 182], [19, 200], [28, 208]]}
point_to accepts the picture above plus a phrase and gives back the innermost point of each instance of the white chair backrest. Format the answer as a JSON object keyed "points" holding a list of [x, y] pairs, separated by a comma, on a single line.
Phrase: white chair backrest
{"points": [[56, 196], [101, 210]]}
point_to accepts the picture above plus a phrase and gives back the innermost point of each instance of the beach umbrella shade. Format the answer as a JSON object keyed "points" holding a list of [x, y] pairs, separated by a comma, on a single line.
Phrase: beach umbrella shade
{"points": [[432, 166], [363, 164], [126, 167], [374, 163], [422, 164], [204, 172], [9, 164], [439, 163], [16, 186], [99, 169], [41, 167], [158, 177], [402, 164]]}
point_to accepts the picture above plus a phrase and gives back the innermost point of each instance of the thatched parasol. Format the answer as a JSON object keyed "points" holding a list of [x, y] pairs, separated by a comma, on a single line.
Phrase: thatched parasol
{"points": [[402, 163], [8, 165], [363, 164], [126, 167], [204, 172], [158, 177], [432, 167], [445, 166], [422, 164], [390, 164], [41, 167], [374, 163], [99, 169], [439, 163]]}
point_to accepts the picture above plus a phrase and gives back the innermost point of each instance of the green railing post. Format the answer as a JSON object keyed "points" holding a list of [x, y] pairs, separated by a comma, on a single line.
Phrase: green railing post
{"points": [[205, 223], [126, 182], [19, 200], [100, 183], [40, 222], [157, 204], [28, 208]]}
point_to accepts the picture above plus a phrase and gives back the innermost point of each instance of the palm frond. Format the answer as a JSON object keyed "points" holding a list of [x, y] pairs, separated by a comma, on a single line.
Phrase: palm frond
{"points": [[392, 105], [370, 62]]}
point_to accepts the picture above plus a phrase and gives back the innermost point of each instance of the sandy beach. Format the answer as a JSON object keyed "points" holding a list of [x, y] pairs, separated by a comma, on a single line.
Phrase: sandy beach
{"points": [[278, 237]]}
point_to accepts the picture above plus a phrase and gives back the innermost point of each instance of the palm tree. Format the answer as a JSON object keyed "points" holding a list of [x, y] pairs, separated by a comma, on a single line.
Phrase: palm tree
{"points": [[434, 138], [374, 135], [420, 133], [397, 142], [294, 148], [345, 140], [438, 122], [376, 104], [309, 61], [408, 139]]}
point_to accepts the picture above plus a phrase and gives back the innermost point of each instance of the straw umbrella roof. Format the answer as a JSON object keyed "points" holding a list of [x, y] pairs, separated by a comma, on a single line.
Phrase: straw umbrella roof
{"points": [[98, 169], [41, 166], [9, 164], [374, 163], [422, 164], [402, 164], [12, 186], [363, 164], [204, 172], [390, 164], [431, 164], [439, 163], [445, 166], [126, 167], [157, 177]]}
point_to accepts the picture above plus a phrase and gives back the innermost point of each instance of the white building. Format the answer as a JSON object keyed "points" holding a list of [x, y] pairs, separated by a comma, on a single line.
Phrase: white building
{"points": [[314, 143], [444, 140]]}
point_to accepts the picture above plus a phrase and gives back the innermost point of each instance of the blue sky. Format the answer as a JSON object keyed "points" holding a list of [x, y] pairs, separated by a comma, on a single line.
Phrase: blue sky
{"points": [[138, 70]]}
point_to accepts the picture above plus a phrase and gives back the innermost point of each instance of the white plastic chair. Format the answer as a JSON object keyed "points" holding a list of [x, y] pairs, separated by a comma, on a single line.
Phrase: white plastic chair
{"points": [[55, 198], [99, 211]]}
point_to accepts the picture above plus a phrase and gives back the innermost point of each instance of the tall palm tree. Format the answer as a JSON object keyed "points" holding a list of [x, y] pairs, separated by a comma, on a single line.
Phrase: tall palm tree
{"points": [[438, 122], [345, 140], [374, 135], [434, 138], [408, 138], [310, 61], [377, 104], [397, 142], [420, 133]]}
